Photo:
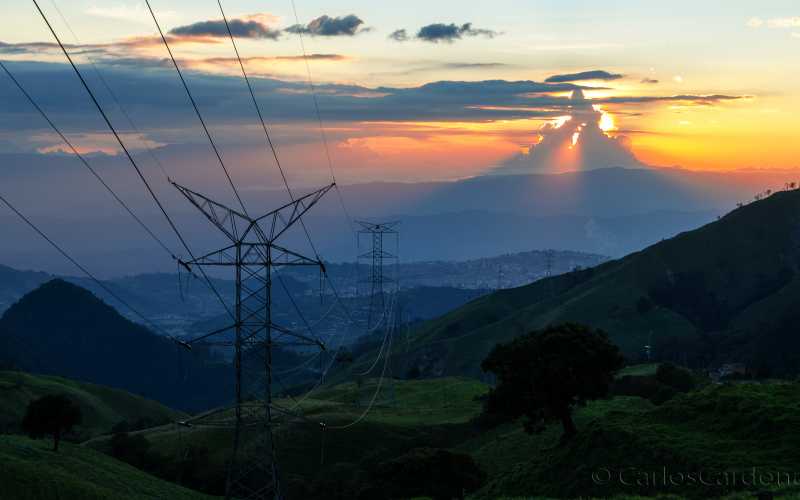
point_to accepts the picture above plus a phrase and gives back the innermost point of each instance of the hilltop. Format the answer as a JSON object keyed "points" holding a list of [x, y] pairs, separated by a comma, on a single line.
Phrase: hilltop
{"points": [[65, 330], [721, 293]]}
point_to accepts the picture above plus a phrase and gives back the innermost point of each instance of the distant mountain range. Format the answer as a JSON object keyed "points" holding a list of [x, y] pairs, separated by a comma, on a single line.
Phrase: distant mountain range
{"points": [[726, 292], [608, 211], [188, 306]]}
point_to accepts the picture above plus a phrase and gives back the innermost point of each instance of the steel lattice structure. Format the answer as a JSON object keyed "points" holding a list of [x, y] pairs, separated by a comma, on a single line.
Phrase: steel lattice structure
{"points": [[253, 253], [376, 258]]}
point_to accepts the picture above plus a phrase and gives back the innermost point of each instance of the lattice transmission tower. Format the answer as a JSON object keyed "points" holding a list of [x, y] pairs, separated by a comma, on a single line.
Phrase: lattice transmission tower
{"points": [[379, 283], [253, 254]]}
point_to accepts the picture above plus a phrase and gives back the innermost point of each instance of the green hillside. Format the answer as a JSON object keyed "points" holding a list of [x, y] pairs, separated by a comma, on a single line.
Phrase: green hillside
{"points": [[722, 293], [102, 407], [405, 415], [31, 471], [718, 429]]}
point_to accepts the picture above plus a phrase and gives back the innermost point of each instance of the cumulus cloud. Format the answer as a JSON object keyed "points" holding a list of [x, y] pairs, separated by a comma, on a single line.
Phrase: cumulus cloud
{"points": [[448, 33], [583, 76], [400, 35], [577, 143], [330, 26], [253, 27]]}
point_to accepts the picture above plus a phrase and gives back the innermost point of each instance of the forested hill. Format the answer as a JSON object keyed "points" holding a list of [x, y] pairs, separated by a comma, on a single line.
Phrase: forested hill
{"points": [[726, 292], [65, 330]]}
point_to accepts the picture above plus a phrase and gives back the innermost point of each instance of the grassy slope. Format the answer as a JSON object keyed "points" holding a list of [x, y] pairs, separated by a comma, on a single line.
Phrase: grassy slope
{"points": [[30, 471], [750, 269], [718, 428], [424, 413], [102, 407]]}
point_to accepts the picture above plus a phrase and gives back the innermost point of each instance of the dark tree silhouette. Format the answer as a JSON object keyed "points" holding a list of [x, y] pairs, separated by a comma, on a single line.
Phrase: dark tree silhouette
{"points": [[432, 472], [543, 375], [51, 415]]}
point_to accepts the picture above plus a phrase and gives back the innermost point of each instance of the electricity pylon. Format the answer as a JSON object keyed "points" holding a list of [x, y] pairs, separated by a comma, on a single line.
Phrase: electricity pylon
{"points": [[254, 254], [376, 258]]}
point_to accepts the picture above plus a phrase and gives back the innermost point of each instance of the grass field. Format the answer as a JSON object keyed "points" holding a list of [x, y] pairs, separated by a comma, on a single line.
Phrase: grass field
{"points": [[102, 407], [433, 412], [31, 471], [716, 430]]}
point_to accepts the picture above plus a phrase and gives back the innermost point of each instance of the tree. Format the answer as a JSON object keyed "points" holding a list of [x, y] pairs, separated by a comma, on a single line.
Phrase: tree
{"points": [[545, 374], [432, 472], [51, 415]]}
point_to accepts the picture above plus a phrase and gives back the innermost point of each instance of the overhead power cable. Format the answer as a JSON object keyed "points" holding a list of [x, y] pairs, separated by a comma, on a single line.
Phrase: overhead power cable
{"points": [[81, 267], [85, 162], [111, 92], [127, 152], [322, 133], [196, 108], [264, 123]]}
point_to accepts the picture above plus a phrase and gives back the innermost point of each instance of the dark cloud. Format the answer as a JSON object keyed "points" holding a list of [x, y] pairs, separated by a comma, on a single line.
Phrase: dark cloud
{"points": [[399, 35], [312, 57], [157, 101], [330, 26], [583, 76], [45, 47], [239, 27], [650, 81], [448, 33]]}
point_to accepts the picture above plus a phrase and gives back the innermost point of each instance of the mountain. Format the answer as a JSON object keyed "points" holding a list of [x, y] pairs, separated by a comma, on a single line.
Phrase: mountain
{"points": [[65, 330], [14, 284], [723, 293], [609, 211]]}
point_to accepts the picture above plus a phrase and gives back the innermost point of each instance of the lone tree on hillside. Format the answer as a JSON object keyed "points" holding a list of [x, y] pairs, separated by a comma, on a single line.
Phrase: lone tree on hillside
{"points": [[52, 415], [545, 374]]}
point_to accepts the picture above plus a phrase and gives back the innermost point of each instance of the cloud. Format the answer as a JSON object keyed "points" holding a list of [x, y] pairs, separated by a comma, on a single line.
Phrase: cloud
{"points": [[784, 22], [755, 22], [575, 143], [448, 33], [252, 27], [159, 101], [583, 76], [697, 100], [775, 23], [649, 81], [330, 26], [399, 35]]}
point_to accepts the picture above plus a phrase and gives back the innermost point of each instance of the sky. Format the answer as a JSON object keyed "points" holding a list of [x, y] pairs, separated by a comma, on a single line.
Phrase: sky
{"points": [[406, 91]]}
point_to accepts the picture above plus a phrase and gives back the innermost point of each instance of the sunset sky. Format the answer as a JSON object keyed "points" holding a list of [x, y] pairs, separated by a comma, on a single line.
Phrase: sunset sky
{"points": [[407, 90]]}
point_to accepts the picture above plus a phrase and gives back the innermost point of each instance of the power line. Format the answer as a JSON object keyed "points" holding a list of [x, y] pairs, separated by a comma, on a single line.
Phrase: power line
{"points": [[264, 124], [125, 150], [366, 412], [85, 162], [79, 266], [196, 108], [111, 92], [322, 133]]}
